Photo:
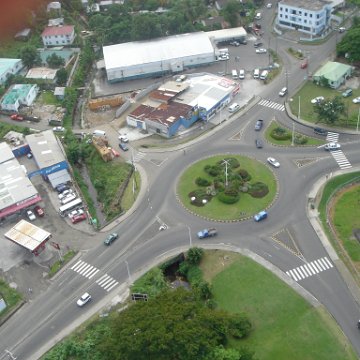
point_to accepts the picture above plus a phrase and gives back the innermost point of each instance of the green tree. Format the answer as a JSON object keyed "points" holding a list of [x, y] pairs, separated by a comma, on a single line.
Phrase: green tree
{"points": [[54, 61], [194, 255], [231, 12], [61, 77], [330, 110], [350, 44], [29, 56]]}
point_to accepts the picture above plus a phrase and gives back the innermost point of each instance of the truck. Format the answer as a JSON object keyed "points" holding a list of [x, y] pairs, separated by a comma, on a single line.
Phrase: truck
{"points": [[207, 233]]}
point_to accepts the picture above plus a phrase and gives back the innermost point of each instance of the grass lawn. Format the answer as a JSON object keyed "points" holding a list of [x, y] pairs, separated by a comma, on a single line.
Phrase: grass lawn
{"points": [[310, 91], [48, 98], [285, 326], [215, 209], [58, 264], [11, 297], [310, 141], [129, 196]]}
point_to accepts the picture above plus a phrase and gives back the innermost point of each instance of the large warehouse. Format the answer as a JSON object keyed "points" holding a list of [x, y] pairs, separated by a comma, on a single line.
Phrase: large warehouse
{"points": [[157, 57]]}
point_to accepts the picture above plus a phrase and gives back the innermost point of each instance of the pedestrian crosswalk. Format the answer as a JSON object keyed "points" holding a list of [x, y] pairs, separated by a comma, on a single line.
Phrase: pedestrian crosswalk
{"points": [[89, 271], [310, 269], [272, 105], [136, 157], [332, 137], [107, 282], [341, 159], [85, 269]]}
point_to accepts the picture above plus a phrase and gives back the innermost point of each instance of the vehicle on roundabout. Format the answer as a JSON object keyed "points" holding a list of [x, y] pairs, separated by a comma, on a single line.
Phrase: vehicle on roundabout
{"points": [[259, 124], [332, 146], [260, 216], [320, 131], [258, 143], [203, 234], [110, 239], [272, 161], [85, 298]]}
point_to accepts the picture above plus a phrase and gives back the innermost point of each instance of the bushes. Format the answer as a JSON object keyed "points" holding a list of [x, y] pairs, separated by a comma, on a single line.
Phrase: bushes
{"points": [[245, 176], [213, 170], [280, 133], [202, 182], [228, 199], [258, 190]]}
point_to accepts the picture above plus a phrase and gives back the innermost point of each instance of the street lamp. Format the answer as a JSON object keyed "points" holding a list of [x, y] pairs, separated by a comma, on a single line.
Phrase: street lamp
{"points": [[357, 125], [190, 238]]}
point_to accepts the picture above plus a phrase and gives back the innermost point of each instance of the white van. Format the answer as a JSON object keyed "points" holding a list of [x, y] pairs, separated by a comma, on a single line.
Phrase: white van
{"points": [[264, 75], [99, 133], [241, 74], [258, 16], [234, 107], [256, 73], [234, 74]]}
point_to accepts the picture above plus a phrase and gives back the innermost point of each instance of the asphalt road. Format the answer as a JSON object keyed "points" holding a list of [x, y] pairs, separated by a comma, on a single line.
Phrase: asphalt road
{"points": [[49, 317]]}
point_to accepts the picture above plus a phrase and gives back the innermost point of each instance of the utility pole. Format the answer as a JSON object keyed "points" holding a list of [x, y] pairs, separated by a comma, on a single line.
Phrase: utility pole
{"points": [[190, 238], [287, 82], [226, 172], [357, 125]]}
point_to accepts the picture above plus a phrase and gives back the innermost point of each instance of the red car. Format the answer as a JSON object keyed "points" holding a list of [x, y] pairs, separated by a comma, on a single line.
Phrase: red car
{"points": [[304, 65], [39, 211], [16, 117], [78, 218]]}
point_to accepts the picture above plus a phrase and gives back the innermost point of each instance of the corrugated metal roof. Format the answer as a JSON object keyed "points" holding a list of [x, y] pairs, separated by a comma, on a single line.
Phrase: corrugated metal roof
{"points": [[162, 49]]}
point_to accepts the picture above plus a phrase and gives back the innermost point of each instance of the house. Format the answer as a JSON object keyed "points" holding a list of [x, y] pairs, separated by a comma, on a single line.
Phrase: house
{"points": [[42, 73], [9, 67], [56, 22], [308, 16], [54, 5], [335, 73], [17, 95], [59, 92], [58, 35], [23, 35], [215, 21]]}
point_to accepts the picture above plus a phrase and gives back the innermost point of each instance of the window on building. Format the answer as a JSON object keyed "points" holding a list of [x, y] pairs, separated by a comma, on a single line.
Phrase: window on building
{"points": [[286, 16], [281, 8], [317, 16], [281, 15], [299, 12], [311, 15], [305, 21], [305, 14], [286, 9]]}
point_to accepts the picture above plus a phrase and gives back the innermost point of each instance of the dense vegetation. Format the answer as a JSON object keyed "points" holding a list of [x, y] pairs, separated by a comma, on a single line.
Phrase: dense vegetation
{"points": [[350, 43]]}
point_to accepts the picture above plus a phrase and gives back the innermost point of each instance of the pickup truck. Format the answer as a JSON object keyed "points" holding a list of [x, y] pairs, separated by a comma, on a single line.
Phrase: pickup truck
{"points": [[207, 233]]}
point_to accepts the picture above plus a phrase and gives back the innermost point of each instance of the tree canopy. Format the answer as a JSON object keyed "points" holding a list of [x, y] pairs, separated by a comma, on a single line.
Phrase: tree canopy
{"points": [[29, 56], [350, 43], [330, 110]]}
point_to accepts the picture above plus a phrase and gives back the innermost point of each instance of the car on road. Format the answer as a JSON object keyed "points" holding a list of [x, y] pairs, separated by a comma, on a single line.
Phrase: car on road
{"points": [[347, 93], [283, 91], [123, 138], [85, 298], [273, 162], [332, 146], [78, 218], [261, 51], [31, 216], [258, 143], [123, 147], [58, 129], [39, 211], [257, 44], [320, 131], [269, 6], [356, 100], [260, 216], [110, 239], [259, 124], [16, 117], [317, 100]]}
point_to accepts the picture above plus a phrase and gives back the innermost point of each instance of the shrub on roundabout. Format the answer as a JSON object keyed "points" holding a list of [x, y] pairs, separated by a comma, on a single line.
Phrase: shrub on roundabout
{"points": [[280, 133], [202, 182]]}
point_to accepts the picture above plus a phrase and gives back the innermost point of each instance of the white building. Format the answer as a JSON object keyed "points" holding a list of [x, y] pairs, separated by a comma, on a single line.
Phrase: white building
{"points": [[9, 67], [58, 35], [19, 94], [158, 56], [308, 16]]}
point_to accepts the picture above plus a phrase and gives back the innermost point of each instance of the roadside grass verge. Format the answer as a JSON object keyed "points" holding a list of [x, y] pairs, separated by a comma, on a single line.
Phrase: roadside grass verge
{"points": [[11, 298], [310, 91], [274, 124], [215, 209], [59, 264], [129, 196], [5, 128], [285, 326]]}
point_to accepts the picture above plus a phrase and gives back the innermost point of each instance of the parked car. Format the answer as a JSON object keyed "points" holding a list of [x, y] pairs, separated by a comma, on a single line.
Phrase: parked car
{"points": [[58, 129], [61, 188], [39, 211], [17, 117], [123, 147], [31, 216], [258, 143], [347, 93], [317, 100], [269, 6], [342, 29], [273, 162], [260, 216], [257, 44], [29, 155], [78, 218], [65, 193], [320, 131], [283, 91], [259, 124], [234, 43], [332, 146], [356, 100], [85, 298], [110, 239], [123, 139], [68, 198], [75, 212], [261, 51], [241, 74]]}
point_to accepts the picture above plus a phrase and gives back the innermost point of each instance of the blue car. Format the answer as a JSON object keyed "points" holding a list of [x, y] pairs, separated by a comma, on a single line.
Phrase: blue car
{"points": [[260, 216], [123, 147]]}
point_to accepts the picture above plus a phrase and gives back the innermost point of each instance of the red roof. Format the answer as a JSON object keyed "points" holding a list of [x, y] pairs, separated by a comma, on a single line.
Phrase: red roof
{"points": [[58, 30]]}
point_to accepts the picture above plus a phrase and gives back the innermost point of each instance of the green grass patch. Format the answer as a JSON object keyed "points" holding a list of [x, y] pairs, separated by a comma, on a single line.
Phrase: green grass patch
{"points": [[11, 297], [285, 326], [59, 264], [5, 128], [48, 98], [274, 124], [215, 209], [310, 91], [129, 196]]}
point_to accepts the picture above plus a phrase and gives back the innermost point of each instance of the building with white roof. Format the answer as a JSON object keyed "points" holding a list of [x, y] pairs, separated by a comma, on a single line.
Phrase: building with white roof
{"points": [[42, 73], [58, 35], [9, 67], [158, 56], [19, 94]]}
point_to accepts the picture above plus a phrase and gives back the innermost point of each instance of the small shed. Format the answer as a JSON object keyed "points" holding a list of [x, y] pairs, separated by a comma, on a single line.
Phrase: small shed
{"points": [[59, 92], [335, 73]]}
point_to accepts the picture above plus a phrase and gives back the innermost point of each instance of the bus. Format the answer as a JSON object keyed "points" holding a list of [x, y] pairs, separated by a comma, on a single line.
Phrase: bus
{"points": [[63, 210]]}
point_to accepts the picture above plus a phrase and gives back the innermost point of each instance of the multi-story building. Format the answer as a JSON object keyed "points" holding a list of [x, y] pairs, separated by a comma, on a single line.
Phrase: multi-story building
{"points": [[308, 16], [58, 35]]}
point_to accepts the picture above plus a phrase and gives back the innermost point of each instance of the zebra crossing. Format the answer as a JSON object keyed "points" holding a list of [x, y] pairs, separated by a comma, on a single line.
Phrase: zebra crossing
{"points": [[332, 137], [310, 269], [89, 271], [272, 105], [341, 159]]}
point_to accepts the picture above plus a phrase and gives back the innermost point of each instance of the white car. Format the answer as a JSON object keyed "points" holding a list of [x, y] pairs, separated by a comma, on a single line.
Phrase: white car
{"points": [[273, 162], [85, 298], [317, 100], [332, 146], [261, 51], [58, 129], [356, 100], [65, 193], [75, 212], [68, 198], [123, 139], [223, 57], [269, 5], [31, 216]]}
